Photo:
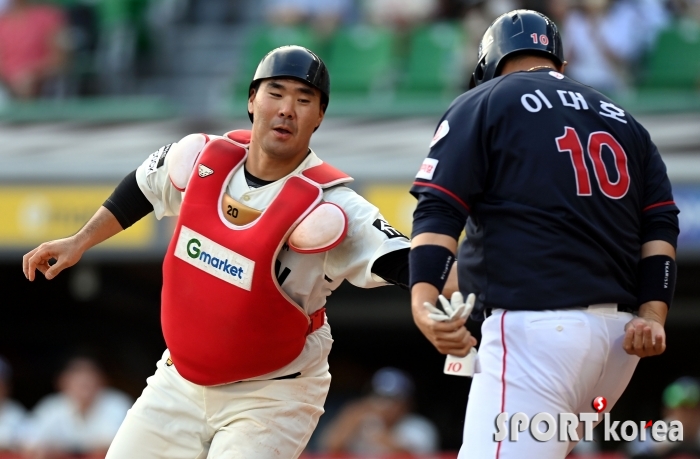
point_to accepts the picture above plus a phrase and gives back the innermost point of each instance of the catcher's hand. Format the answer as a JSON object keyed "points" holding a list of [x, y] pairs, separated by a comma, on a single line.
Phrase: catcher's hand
{"points": [[66, 252]]}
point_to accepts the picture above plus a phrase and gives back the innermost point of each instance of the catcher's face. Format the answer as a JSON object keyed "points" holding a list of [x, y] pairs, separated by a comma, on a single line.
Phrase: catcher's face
{"points": [[286, 113]]}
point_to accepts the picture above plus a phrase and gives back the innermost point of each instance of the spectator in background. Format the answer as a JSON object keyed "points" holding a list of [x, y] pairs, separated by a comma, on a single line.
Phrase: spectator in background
{"points": [[681, 400], [554, 9], [400, 14], [82, 418], [605, 40], [644, 19], [558, 10], [591, 41], [479, 15], [83, 31], [685, 9], [323, 15], [32, 48], [12, 414], [381, 423], [449, 10]]}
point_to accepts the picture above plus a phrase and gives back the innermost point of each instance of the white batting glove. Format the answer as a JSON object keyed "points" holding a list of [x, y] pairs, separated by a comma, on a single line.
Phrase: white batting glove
{"points": [[455, 309]]}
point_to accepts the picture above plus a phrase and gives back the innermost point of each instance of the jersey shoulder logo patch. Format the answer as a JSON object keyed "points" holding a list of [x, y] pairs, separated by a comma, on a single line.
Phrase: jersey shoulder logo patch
{"points": [[165, 149], [441, 132], [557, 75], [204, 171], [157, 159], [387, 229], [427, 169]]}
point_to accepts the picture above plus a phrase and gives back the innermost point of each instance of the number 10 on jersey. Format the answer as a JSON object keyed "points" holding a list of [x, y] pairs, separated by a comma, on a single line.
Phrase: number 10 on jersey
{"points": [[570, 142]]}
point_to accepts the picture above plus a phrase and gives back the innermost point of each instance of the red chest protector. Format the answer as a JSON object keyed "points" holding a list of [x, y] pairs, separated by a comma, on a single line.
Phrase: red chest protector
{"points": [[224, 316]]}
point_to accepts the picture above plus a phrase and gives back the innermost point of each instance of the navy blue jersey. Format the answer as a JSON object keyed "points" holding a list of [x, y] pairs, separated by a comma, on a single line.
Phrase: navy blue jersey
{"points": [[561, 188]]}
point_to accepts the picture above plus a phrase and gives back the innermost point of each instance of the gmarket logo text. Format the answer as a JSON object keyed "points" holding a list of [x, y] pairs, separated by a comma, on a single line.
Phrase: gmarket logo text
{"points": [[215, 259]]}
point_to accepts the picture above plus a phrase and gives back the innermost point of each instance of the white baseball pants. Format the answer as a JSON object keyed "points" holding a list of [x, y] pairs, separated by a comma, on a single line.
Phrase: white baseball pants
{"points": [[176, 419], [553, 361]]}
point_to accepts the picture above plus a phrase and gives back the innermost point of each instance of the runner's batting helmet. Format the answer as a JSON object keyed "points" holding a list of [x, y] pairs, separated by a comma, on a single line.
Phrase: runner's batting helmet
{"points": [[515, 32], [294, 62]]}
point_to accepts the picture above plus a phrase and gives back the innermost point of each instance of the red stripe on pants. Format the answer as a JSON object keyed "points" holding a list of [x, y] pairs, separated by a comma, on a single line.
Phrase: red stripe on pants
{"points": [[503, 378]]}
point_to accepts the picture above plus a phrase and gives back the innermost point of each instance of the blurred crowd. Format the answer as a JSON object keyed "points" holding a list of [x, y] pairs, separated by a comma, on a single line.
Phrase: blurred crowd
{"points": [[82, 417], [382, 422], [681, 402], [79, 420], [604, 40], [69, 48], [32, 47]]}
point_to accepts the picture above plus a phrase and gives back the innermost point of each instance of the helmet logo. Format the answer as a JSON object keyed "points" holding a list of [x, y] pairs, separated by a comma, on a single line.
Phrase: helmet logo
{"points": [[543, 39]]}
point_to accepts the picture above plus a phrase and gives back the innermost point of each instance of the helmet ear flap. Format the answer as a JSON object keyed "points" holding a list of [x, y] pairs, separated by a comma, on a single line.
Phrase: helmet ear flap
{"points": [[480, 70], [254, 86], [479, 73]]}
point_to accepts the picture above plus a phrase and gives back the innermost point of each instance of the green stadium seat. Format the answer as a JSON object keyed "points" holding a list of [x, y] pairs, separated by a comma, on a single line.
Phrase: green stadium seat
{"points": [[265, 39], [113, 12], [64, 3], [361, 59], [674, 62], [434, 59], [261, 41]]}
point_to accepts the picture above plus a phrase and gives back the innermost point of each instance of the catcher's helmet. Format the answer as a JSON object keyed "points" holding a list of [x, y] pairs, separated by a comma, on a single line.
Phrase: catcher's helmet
{"points": [[294, 62], [515, 32]]}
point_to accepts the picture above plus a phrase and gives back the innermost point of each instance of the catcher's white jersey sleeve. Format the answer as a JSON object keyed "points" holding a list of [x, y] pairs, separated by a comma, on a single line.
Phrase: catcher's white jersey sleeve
{"points": [[153, 179], [308, 279]]}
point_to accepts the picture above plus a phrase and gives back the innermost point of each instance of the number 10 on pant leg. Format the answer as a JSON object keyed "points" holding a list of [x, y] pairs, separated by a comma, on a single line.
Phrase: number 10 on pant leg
{"points": [[461, 366]]}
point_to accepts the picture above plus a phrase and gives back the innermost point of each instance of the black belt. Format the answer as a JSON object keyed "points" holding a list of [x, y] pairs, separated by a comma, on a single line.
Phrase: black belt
{"points": [[292, 376]]}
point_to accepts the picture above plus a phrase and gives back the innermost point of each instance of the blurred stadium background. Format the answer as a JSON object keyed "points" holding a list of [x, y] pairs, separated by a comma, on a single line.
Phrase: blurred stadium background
{"points": [[120, 78]]}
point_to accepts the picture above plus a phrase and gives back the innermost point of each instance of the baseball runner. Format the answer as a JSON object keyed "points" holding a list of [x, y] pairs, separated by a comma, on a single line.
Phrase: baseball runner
{"points": [[571, 235], [265, 232]]}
